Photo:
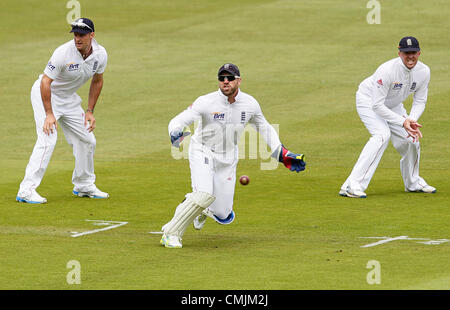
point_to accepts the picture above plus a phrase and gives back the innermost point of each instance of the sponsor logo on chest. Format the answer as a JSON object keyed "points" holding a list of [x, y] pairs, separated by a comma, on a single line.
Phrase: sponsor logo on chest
{"points": [[413, 86], [73, 66], [219, 116], [397, 85]]}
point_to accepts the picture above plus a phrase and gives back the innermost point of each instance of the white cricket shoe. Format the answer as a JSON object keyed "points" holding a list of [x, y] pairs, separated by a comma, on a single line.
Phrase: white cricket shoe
{"points": [[426, 189], [173, 242], [352, 193], [200, 221], [33, 197], [91, 192]]}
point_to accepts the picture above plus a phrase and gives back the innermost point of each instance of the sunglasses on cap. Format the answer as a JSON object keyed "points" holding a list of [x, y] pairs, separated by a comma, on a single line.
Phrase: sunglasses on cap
{"points": [[81, 25], [228, 77]]}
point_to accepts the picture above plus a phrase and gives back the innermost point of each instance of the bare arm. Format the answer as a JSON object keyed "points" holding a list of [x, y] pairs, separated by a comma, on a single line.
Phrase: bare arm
{"points": [[46, 95], [94, 93]]}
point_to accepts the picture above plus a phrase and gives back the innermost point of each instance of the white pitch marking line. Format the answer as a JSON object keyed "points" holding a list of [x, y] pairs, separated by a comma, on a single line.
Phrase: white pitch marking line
{"points": [[156, 232], [434, 242], [387, 239], [100, 222]]}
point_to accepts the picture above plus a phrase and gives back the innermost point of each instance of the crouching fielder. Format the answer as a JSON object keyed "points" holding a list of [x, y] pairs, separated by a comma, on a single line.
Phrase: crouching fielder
{"points": [[379, 102], [213, 153]]}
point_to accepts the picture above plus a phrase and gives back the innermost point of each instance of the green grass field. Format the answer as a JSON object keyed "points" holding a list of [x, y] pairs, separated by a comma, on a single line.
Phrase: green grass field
{"points": [[303, 62]]}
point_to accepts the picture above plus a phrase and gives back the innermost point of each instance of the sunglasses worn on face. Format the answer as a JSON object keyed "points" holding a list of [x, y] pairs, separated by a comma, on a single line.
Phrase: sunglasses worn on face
{"points": [[81, 25], [228, 77]]}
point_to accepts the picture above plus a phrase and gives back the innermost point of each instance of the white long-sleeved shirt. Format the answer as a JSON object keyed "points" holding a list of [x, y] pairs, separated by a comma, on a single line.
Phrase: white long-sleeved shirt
{"points": [[391, 84], [220, 123]]}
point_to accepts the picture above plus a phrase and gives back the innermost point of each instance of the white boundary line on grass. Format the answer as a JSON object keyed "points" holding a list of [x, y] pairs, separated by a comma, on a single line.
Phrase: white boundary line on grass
{"points": [[111, 225]]}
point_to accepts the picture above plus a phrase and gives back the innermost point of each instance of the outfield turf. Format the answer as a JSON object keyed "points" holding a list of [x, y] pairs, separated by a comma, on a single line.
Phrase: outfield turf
{"points": [[303, 62]]}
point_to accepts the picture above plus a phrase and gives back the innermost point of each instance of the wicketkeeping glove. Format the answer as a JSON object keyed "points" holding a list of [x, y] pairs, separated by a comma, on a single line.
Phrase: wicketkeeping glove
{"points": [[294, 162], [177, 136]]}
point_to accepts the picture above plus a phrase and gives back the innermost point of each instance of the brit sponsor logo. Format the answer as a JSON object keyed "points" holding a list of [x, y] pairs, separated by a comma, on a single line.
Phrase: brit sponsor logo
{"points": [[73, 67], [397, 85], [413, 86], [94, 68], [219, 116]]}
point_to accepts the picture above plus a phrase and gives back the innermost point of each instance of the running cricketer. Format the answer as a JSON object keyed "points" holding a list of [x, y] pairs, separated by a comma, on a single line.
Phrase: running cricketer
{"points": [[54, 101], [213, 153], [379, 103]]}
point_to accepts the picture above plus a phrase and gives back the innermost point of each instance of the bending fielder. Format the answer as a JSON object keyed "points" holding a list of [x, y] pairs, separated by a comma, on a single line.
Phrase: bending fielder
{"points": [[379, 102], [213, 153], [55, 101]]}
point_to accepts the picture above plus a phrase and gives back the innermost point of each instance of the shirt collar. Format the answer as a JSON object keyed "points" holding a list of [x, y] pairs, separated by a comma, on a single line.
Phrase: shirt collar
{"points": [[94, 45]]}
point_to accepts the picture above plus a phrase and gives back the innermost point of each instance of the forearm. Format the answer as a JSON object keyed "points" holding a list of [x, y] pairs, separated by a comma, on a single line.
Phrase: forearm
{"points": [[416, 111], [388, 115], [267, 132], [270, 136], [94, 93], [418, 105], [182, 120], [46, 94]]}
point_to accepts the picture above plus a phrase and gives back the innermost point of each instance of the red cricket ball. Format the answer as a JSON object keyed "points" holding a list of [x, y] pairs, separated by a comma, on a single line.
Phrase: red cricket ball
{"points": [[244, 180]]}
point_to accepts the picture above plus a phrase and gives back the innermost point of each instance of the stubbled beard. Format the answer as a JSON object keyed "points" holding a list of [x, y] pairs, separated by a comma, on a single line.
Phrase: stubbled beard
{"points": [[229, 92]]}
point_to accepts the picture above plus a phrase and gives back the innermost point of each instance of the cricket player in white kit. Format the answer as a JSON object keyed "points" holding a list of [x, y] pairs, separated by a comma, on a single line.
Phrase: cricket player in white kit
{"points": [[379, 103], [213, 153], [54, 99]]}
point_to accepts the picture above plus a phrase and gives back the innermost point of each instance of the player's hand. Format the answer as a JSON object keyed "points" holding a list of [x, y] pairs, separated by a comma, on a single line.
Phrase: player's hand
{"points": [[294, 162], [49, 123], [413, 129], [89, 118], [177, 136]]}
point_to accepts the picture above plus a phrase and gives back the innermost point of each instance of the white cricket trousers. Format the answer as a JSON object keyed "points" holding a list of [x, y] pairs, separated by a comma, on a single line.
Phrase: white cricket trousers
{"points": [[372, 152], [82, 142], [214, 176]]}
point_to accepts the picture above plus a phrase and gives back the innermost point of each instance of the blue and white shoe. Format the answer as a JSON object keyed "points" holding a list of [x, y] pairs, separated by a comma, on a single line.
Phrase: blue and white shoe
{"points": [[200, 220], [33, 197], [228, 220], [91, 192]]}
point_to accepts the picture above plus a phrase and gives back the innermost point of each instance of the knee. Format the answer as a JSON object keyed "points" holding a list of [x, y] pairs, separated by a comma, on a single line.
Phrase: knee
{"points": [[382, 137], [407, 145], [47, 141], [91, 142]]}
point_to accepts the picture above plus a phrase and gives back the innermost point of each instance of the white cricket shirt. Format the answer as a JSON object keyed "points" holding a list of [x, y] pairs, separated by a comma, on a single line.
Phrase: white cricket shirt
{"points": [[220, 124], [69, 71], [391, 84]]}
